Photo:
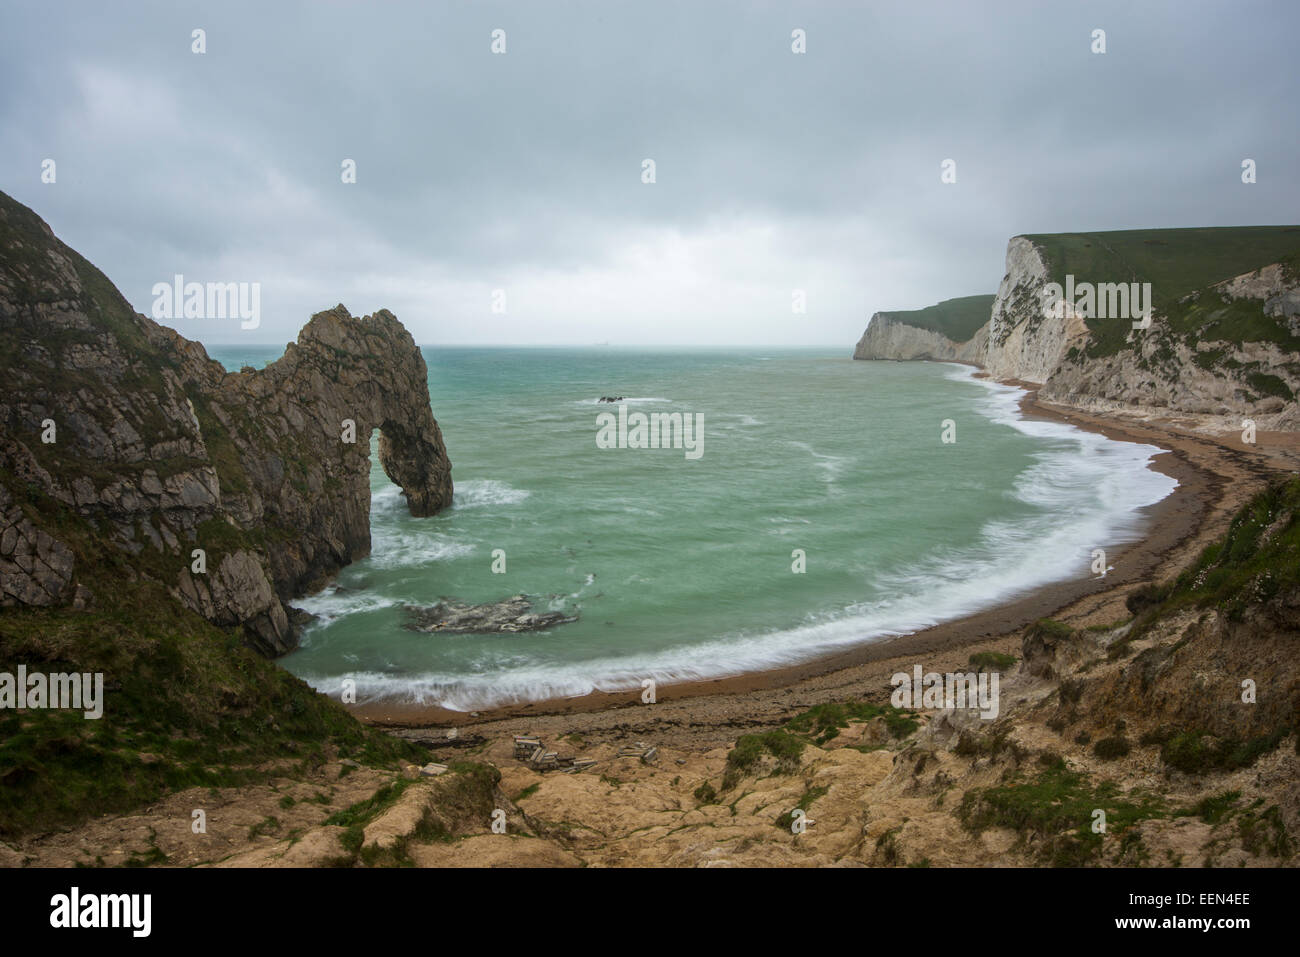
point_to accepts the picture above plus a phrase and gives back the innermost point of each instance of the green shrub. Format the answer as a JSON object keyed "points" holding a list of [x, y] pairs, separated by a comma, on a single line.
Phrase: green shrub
{"points": [[992, 661], [750, 748], [1196, 752], [1109, 749]]}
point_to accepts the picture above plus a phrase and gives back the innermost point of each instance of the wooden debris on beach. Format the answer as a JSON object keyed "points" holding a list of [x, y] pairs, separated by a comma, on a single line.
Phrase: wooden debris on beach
{"points": [[525, 746], [647, 753], [543, 760], [532, 751]]}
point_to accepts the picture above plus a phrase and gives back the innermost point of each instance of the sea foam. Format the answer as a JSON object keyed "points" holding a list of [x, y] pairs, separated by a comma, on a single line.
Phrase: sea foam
{"points": [[1086, 491]]}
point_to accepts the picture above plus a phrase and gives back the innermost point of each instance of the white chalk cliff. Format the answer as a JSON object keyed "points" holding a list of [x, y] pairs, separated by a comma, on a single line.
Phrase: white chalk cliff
{"points": [[1210, 369]]}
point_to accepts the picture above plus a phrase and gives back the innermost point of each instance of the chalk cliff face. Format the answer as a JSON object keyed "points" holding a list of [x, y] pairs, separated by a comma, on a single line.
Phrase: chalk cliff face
{"points": [[888, 338], [1228, 350], [125, 448], [1204, 369], [1023, 342]]}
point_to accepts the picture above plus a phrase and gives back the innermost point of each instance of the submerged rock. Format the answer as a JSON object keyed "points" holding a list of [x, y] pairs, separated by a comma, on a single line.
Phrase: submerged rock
{"points": [[508, 616]]}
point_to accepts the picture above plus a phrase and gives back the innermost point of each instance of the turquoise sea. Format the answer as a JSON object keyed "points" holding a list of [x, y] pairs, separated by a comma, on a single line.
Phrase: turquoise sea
{"points": [[681, 568]]}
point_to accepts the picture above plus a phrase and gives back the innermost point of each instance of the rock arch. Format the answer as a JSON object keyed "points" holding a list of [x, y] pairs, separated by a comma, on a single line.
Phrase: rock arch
{"points": [[312, 488]]}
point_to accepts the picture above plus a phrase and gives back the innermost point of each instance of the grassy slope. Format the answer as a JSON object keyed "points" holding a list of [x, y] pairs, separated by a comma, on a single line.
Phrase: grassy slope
{"points": [[1245, 567], [958, 319], [190, 704], [1176, 262], [1256, 560]]}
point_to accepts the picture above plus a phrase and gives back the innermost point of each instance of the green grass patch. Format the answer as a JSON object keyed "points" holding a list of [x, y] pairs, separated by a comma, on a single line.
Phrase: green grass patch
{"points": [[992, 661], [1196, 752], [1177, 262], [1270, 385], [1056, 811], [750, 749], [1212, 809], [824, 722], [1112, 748], [706, 793], [958, 319], [363, 812], [1264, 833]]}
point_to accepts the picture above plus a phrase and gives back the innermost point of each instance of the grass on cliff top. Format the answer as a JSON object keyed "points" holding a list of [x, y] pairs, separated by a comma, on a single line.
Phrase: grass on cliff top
{"points": [[958, 319], [1257, 558], [1177, 262]]}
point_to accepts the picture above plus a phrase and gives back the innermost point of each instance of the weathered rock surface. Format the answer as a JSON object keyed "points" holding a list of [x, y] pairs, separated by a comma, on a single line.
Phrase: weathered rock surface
{"points": [[508, 616], [1214, 369], [1022, 342], [123, 435], [886, 338], [1208, 374]]}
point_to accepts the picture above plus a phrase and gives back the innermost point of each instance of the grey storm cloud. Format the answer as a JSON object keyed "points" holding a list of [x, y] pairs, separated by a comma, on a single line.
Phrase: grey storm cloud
{"points": [[522, 171]]}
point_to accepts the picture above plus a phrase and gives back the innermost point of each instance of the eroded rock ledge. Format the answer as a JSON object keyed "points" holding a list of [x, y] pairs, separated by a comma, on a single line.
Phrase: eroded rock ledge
{"points": [[157, 450]]}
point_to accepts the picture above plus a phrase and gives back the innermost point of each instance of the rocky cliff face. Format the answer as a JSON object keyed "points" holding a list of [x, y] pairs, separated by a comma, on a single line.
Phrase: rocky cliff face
{"points": [[1192, 361], [126, 452], [887, 338], [1228, 350], [1023, 343]]}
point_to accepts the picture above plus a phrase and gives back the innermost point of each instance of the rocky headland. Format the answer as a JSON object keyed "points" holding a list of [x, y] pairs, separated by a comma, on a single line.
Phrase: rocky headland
{"points": [[1221, 344], [133, 439]]}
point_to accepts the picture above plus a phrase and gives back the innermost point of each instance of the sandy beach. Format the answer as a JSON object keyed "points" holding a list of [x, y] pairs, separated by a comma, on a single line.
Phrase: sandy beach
{"points": [[1215, 474]]}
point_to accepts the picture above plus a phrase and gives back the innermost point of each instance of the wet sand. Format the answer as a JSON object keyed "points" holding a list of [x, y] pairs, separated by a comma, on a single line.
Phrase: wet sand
{"points": [[1215, 476]]}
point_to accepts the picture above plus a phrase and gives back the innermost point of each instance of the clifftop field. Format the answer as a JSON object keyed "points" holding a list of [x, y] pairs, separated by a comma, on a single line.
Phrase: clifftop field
{"points": [[958, 319], [1175, 261]]}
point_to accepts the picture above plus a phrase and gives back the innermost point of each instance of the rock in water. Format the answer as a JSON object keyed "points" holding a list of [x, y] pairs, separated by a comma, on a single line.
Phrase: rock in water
{"points": [[120, 434], [508, 616]]}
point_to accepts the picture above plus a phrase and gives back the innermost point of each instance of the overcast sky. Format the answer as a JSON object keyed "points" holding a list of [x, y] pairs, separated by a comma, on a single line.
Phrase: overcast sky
{"points": [[523, 171]]}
